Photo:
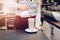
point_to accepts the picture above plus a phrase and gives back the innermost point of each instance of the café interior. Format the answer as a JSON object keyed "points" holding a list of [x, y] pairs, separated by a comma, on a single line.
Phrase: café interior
{"points": [[50, 22]]}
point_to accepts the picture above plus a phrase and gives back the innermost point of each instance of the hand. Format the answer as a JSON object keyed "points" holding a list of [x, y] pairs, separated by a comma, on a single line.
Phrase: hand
{"points": [[38, 28], [22, 7]]}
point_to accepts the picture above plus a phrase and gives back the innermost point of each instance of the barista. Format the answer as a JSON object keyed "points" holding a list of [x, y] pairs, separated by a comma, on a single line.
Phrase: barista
{"points": [[27, 9]]}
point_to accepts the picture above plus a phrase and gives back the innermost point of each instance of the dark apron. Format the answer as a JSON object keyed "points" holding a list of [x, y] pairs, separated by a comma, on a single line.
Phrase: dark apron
{"points": [[21, 23]]}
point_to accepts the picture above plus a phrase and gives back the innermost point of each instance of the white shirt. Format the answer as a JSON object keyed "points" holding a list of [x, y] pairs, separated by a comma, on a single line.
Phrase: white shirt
{"points": [[31, 5]]}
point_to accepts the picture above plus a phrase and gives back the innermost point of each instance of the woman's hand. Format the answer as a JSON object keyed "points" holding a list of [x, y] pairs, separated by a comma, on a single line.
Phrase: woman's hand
{"points": [[22, 7], [38, 28]]}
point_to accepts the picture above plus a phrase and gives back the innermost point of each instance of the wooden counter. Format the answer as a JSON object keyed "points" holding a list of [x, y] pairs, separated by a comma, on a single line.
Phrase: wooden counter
{"points": [[46, 11], [50, 19], [53, 22]]}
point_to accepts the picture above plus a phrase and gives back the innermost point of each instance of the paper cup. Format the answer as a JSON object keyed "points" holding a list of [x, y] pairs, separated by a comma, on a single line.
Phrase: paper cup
{"points": [[31, 23]]}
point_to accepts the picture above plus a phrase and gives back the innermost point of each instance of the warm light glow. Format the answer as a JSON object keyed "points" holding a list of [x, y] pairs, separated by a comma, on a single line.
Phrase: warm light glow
{"points": [[1, 1], [38, 1], [10, 6]]}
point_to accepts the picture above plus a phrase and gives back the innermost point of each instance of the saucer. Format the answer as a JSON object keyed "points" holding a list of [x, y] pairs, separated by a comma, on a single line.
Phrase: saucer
{"points": [[31, 31]]}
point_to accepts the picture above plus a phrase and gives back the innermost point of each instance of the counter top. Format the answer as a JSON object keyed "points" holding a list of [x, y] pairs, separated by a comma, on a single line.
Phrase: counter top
{"points": [[46, 11], [47, 17], [51, 21], [21, 35]]}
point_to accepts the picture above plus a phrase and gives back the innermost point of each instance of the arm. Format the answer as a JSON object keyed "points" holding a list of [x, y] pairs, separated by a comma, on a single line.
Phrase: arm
{"points": [[38, 17]]}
